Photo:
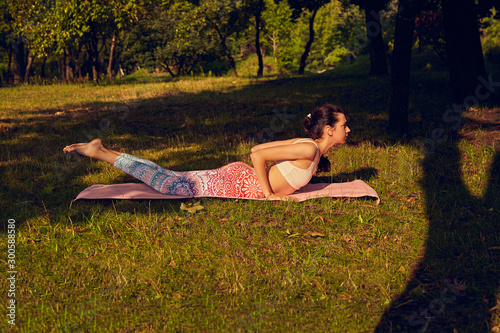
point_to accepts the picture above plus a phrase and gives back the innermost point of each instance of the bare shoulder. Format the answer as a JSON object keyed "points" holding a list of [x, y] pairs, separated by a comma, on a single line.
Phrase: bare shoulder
{"points": [[308, 147]]}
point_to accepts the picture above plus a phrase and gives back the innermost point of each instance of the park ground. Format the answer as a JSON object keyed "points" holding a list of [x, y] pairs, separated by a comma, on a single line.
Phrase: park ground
{"points": [[425, 259]]}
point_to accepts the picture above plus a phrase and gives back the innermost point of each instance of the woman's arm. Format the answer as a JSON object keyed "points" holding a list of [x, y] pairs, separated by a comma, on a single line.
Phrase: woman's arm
{"points": [[271, 144], [276, 152], [260, 167]]}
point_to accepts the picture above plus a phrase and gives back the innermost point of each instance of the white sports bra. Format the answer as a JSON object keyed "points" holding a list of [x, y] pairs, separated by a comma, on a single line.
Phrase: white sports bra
{"points": [[295, 176]]}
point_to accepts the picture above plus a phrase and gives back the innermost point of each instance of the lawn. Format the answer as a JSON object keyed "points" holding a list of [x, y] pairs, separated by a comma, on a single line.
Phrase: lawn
{"points": [[426, 259]]}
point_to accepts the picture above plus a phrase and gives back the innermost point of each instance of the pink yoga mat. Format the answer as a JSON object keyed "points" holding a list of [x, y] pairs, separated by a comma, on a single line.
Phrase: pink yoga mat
{"points": [[354, 189]]}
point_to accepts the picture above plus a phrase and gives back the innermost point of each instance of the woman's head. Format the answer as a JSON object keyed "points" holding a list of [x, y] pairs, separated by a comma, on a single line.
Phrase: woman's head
{"points": [[322, 116]]}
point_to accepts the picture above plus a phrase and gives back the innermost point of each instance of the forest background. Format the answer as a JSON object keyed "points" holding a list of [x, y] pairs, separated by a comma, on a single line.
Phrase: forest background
{"points": [[77, 41]]}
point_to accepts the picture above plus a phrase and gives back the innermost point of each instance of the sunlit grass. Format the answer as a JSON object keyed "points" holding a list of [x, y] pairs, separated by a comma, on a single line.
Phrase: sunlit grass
{"points": [[24, 100], [236, 265]]}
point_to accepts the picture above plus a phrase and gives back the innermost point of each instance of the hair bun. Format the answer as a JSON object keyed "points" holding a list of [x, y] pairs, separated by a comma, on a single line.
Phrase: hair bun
{"points": [[323, 115]]}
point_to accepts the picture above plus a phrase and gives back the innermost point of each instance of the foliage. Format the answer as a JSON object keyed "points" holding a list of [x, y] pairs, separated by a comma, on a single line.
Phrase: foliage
{"points": [[429, 29], [491, 36], [178, 37], [51, 27], [301, 6], [6, 19], [278, 30], [337, 56], [280, 33], [175, 37], [341, 32]]}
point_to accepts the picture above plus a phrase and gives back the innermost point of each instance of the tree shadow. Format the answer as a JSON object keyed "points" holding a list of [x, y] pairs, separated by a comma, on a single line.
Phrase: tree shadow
{"points": [[40, 181], [453, 286], [365, 174]]}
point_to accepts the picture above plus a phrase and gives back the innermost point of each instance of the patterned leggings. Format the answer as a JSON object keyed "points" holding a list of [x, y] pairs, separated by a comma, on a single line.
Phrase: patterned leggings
{"points": [[236, 180]]}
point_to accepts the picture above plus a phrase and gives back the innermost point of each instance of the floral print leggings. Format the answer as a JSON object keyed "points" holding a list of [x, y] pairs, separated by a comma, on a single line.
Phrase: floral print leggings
{"points": [[235, 180]]}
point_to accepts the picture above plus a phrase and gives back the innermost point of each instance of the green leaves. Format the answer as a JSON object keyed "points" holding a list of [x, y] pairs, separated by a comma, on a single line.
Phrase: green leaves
{"points": [[49, 27]]}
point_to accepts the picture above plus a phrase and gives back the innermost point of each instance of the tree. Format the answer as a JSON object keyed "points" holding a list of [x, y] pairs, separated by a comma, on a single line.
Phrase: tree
{"points": [[19, 67], [225, 17], [341, 34], [13, 40], [6, 32], [463, 47], [429, 29], [258, 18], [278, 26], [375, 41], [400, 69], [60, 27], [184, 39], [312, 6], [100, 20], [34, 22], [255, 9], [490, 38]]}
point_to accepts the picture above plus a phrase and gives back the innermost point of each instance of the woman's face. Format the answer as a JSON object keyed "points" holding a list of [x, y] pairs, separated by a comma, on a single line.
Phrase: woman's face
{"points": [[340, 130]]}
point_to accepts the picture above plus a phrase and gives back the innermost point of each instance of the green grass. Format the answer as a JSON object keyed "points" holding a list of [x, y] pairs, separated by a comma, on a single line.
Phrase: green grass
{"points": [[236, 265]]}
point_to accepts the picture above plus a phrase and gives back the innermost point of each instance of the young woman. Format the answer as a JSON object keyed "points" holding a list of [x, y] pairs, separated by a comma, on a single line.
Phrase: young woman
{"points": [[294, 162]]}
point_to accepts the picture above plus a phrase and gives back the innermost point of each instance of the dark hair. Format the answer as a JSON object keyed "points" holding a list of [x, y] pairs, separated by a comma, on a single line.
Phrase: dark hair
{"points": [[314, 123], [320, 117]]}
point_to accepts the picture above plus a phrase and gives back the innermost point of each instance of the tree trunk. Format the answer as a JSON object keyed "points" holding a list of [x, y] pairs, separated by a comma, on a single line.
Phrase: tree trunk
{"points": [[64, 77], [232, 64], [78, 66], [31, 57], [275, 47], [68, 65], [376, 47], [260, 71], [463, 47], [93, 50], [9, 65], [111, 53], [42, 69], [19, 65], [167, 67], [400, 69], [94, 56], [307, 49]]}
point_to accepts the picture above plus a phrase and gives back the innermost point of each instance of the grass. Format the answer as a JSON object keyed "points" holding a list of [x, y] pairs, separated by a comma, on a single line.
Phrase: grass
{"points": [[426, 259]]}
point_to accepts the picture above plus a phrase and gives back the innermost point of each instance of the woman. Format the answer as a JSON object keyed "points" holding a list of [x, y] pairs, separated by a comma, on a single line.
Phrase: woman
{"points": [[294, 163]]}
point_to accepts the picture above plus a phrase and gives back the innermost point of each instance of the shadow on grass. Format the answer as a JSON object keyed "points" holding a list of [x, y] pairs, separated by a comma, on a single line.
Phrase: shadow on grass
{"points": [[365, 174], [38, 180], [454, 284]]}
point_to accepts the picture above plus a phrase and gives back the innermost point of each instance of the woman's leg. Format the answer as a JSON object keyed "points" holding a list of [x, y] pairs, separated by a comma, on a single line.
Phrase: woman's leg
{"points": [[234, 180], [93, 149], [237, 180], [161, 179]]}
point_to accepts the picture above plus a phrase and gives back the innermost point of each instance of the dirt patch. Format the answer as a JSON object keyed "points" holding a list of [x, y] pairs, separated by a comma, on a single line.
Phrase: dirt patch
{"points": [[482, 126]]}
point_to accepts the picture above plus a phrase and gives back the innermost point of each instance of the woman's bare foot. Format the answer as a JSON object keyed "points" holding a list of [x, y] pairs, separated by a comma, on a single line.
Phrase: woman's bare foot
{"points": [[89, 149], [93, 149]]}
